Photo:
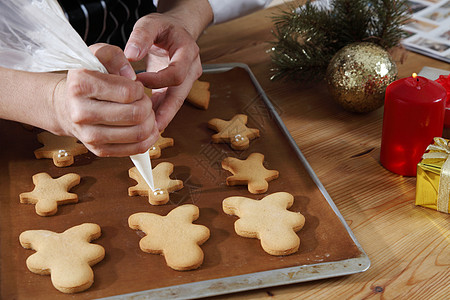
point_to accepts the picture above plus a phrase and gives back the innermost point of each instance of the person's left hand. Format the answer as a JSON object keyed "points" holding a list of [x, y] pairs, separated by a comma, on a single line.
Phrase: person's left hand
{"points": [[173, 62]]}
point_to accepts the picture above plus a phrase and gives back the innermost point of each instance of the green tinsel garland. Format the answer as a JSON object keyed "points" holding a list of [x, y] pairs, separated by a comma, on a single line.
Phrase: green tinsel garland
{"points": [[309, 35]]}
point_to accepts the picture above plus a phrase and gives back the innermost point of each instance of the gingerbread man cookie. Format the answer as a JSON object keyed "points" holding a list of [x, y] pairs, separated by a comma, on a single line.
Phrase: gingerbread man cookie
{"points": [[234, 132], [250, 171], [48, 193], [66, 256], [199, 94], [163, 184], [161, 143], [267, 220], [61, 149], [174, 236]]}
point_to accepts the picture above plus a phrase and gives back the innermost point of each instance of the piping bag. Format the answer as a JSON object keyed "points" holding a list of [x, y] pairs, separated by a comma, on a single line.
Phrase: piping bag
{"points": [[35, 36]]}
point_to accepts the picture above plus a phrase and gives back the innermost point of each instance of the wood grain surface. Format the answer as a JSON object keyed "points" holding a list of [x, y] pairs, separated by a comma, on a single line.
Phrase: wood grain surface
{"points": [[408, 245]]}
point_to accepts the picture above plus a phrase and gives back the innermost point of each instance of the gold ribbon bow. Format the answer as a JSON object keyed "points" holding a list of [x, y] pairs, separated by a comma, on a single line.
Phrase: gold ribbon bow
{"points": [[442, 151]]}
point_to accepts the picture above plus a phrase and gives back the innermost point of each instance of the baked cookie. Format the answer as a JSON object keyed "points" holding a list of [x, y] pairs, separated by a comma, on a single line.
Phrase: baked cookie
{"points": [[161, 143], [234, 132], [48, 193], [66, 256], [250, 171], [267, 220], [61, 149], [199, 95], [174, 236], [163, 184]]}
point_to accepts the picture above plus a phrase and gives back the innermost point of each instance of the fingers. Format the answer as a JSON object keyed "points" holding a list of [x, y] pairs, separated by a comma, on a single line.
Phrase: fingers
{"points": [[168, 108], [107, 141], [99, 112], [110, 114], [160, 36], [91, 84], [114, 60], [173, 75], [144, 34], [184, 59]]}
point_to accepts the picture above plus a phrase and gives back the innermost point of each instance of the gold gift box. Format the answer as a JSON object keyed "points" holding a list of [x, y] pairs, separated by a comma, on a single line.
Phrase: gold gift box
{"points": [[427, 182]]}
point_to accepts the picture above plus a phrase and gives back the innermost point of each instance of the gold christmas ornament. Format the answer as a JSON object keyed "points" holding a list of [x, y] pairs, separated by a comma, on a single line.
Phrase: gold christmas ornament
{"points": [[358, 75]]}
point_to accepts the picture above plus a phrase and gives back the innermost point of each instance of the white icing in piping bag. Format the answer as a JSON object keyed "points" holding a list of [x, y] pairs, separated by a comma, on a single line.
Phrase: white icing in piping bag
{"points": [[144, 166]]}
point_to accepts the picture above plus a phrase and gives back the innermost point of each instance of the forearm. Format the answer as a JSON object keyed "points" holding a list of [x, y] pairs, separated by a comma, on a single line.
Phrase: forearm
{"points": [[196, 15], [27, 97]]}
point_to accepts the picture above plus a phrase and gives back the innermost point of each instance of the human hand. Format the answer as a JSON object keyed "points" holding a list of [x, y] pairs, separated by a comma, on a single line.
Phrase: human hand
{"points": [[109, 113], [172, 58]]}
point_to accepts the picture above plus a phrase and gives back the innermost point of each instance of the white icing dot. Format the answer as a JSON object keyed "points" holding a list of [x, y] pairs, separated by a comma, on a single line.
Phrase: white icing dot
{"points": [[158, 192], [238, 138], [62, 153]]}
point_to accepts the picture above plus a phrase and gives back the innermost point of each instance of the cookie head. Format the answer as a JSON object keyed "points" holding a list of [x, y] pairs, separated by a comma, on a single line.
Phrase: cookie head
{"points": [[239, 141], [158, 196], [62, 158]]}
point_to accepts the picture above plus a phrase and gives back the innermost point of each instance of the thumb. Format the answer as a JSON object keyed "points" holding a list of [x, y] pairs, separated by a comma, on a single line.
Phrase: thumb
{"points": [[113, 59]]}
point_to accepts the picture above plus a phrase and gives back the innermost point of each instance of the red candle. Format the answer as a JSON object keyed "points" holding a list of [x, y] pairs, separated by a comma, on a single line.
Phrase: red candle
{"points": [[444, 80], [413, 115]]}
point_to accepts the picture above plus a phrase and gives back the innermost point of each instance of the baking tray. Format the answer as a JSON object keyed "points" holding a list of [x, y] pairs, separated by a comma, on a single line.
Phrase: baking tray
{"points": [[232, 263]]}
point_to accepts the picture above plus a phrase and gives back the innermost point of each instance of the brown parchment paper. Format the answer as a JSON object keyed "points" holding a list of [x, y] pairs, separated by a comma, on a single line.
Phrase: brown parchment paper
{"points": [[103, 199]]}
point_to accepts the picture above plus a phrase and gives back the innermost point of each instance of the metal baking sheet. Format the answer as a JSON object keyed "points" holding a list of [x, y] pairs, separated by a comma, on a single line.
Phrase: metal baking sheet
{"points": [[232, 263]]}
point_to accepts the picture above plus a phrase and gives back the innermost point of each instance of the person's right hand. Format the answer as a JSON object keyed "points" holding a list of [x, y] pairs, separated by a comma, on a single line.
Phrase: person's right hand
{"points": [[109, 113], [172, 58]]}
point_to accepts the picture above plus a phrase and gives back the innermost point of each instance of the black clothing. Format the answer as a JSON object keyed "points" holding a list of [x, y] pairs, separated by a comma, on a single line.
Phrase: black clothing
{"points": [[107, 21]]}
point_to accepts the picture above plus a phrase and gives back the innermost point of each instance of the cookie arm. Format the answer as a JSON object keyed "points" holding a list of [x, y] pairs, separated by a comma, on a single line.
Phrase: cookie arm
{"points": [[217, 124], [281, 199], [69, 180], [29, 240], [185, 213], [231, 205], [136, 221]]}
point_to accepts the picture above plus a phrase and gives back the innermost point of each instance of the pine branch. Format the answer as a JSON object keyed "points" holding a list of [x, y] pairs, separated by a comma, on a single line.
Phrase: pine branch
{"points": [[307, 37]]}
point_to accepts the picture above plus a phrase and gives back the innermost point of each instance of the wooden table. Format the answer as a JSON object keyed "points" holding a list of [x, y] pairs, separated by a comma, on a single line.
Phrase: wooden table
{"points": [[408, 246]]}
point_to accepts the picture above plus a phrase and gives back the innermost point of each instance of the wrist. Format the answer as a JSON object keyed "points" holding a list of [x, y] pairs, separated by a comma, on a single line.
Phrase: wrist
{"points": [[195, 16], [57, 96]]}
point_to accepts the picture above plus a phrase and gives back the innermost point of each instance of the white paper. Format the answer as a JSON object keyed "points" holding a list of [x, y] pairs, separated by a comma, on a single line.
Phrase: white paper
{"points": [[432, 73]]}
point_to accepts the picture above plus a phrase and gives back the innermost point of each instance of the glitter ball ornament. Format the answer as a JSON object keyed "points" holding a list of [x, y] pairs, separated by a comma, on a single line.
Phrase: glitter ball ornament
{"points": [[358, 75]]}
